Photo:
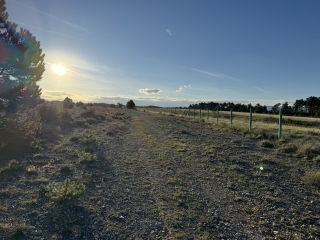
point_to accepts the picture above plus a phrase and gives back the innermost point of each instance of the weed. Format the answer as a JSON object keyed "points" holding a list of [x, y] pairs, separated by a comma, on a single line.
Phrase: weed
{"points": [[312, 179], [87, 157], [65, 192]]}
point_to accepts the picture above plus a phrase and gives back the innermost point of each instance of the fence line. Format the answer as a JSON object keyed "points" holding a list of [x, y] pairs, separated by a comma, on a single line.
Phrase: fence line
{"points": [[186, 112]]}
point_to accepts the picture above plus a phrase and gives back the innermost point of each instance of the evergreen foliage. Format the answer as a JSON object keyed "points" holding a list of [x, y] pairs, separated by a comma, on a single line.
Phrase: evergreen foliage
{"points": [[301, 107], [21, 64], [130, 104], [66, 192]]}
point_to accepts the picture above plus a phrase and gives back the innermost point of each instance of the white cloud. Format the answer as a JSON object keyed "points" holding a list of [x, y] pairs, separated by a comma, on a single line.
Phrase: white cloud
{"points": [[150, 91], [169, 31], [182, 88], [216, 75]]}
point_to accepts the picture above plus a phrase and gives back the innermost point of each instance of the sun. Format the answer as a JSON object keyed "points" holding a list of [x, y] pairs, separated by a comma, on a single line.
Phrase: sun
{"points": [[59, 69]]}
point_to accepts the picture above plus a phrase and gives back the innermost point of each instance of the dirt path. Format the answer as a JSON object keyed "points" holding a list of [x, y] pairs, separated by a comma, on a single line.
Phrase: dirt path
{"points": [[159, 177], [208, 184]]}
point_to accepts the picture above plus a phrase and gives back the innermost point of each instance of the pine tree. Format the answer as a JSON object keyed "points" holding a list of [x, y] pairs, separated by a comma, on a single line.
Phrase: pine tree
{"points": [[21, 63], [130, 104]]}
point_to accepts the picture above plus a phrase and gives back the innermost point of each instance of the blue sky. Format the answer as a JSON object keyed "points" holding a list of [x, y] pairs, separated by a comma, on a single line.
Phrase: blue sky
{"points": [[177, 52]]}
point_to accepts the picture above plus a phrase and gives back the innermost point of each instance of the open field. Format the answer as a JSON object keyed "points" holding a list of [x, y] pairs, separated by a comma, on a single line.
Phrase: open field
{"points": [[159, 176], [267, 122]]}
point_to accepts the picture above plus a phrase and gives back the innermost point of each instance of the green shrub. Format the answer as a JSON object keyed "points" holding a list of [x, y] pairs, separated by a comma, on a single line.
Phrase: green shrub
{"points": [[86, 157], [65, 192], [88, 138], [312, 179]]}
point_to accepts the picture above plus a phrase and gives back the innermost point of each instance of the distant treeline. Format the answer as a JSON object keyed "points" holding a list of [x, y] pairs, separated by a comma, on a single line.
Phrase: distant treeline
{"points": [[302, 107]]}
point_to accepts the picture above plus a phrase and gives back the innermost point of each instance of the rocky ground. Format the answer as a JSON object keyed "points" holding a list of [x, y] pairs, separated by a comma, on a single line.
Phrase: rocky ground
{"points": [[157, 177]]}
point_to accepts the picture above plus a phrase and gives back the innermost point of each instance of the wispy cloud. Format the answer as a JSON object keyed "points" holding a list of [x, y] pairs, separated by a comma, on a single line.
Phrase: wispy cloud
{"points": [[150, 91], [70, 24], [260, 89], [169, 31], [182, 88], [216, 75]]}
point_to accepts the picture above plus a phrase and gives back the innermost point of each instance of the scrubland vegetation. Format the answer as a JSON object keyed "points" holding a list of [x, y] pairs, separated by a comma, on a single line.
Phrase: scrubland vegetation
{"points": [[73, 170]]}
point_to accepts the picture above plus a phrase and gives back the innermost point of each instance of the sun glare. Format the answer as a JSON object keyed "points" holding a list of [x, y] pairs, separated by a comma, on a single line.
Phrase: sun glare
{"points": [[59, 69]]}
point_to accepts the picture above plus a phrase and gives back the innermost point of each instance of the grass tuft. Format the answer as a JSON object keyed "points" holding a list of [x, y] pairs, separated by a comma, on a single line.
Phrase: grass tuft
{"points": [[312, 179]]}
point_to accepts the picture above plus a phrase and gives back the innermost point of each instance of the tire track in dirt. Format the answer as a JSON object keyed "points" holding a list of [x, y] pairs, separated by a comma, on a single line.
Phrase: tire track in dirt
{"points": [[213, 186], [188, 199]]}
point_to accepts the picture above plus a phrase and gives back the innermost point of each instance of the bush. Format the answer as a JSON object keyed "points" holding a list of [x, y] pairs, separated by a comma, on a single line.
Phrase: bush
{"points": [[18, 132], [130, 104], [86, 157], [66, 192], [88, 138], [79, 104], [67, 103], [48, 112]]}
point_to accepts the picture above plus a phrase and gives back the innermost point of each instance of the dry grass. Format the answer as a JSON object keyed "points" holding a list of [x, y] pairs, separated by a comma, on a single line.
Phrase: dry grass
{"points": [[300, 135], [312, 179], [160, 177]]}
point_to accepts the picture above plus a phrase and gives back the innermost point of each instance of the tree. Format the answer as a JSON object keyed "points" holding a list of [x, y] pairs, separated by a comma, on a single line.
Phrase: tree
{"points": [[130, 104], [21, 63], [68, 103], [275, 108]]}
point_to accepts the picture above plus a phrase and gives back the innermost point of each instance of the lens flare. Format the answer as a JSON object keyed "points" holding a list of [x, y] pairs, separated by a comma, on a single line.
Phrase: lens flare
{"points": [[59, 69]]}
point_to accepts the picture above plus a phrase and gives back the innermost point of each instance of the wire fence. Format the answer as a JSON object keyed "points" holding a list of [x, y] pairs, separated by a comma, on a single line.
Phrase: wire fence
{"points": [[273, 122]]}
